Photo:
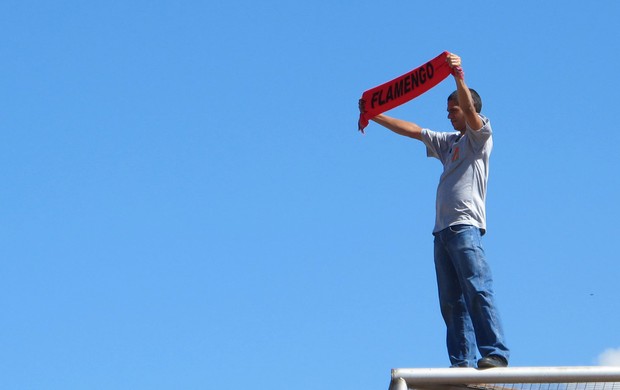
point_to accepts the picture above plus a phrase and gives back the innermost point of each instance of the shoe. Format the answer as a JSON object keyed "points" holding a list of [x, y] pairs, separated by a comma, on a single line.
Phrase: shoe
{"points": [[492, 361]]}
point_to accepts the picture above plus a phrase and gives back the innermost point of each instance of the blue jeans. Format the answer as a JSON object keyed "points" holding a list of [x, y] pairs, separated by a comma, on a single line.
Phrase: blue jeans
{"points": [[466, 296]]}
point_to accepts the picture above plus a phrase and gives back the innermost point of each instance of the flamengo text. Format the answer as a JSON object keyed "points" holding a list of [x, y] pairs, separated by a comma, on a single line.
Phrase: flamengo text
{"points": [[403, 85]]}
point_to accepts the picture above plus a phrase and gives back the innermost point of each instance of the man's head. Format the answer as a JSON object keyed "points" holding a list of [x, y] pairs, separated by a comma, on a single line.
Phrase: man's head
{"points": [[456, 115]]}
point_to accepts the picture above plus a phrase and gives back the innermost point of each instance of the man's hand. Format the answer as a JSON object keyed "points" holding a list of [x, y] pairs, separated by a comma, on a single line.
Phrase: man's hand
{"points": [[453, 60], [455, 63]]}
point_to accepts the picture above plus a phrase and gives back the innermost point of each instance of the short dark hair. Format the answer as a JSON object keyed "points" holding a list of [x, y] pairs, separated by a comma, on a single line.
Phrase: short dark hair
{"points": [[474, 95]]}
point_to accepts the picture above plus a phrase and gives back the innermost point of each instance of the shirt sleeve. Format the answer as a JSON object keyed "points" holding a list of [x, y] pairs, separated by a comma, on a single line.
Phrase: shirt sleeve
{"points": [[436, 145], [480, 137]]}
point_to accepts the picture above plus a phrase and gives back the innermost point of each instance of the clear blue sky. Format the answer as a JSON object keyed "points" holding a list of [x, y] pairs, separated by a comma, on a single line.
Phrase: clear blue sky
{"points": [[186, 202]]}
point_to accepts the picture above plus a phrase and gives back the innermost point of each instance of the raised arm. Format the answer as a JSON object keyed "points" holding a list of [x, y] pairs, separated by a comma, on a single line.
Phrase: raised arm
{"points": [[466, 103], [399, 126]]}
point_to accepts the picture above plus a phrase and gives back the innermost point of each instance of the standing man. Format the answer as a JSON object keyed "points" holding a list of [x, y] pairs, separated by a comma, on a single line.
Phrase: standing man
{"points": [[463, 276]]}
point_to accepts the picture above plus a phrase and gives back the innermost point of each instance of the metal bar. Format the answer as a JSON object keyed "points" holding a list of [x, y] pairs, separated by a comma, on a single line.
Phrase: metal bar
{"points": [[398, 384], [450, 376]]}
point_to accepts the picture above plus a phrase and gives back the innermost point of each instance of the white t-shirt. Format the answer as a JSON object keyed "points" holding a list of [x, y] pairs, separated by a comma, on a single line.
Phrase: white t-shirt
{"points": [[462, 188]]}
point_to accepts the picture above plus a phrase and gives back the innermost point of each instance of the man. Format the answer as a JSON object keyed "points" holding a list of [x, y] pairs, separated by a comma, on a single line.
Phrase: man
{"points": [[463, 276]]}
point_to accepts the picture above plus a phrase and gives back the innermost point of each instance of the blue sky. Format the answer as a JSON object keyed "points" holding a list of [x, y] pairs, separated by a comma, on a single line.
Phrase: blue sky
{"points": [[187, 204]]}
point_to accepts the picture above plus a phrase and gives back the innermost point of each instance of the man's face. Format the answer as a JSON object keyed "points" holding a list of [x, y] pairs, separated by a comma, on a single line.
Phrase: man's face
{"points": [[456, 116]]}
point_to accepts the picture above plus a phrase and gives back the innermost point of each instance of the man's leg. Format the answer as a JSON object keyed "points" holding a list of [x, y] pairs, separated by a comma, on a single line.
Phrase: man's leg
{"points": [[459, 335], [477, 284]]}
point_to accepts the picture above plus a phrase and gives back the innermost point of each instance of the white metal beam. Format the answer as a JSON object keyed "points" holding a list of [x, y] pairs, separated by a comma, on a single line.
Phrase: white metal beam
{"points": [[455, 376]]}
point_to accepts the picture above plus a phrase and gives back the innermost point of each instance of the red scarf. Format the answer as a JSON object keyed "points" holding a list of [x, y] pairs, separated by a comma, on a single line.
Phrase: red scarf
{"points": [[402, 89]]}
